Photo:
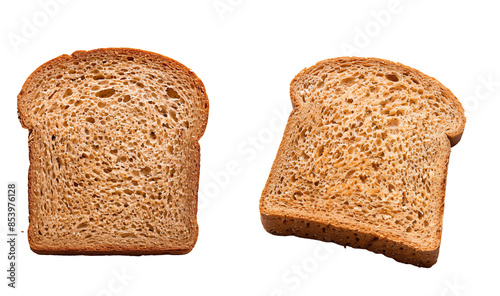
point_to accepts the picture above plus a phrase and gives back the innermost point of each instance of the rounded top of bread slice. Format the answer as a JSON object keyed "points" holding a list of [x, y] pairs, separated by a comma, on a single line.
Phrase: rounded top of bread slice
{"points": [[449, 116], [104, 64]]}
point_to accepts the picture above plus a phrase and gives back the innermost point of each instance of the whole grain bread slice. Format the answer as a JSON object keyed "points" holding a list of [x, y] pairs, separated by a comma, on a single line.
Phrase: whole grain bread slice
{"points": [[114, 153], [364, 157]]}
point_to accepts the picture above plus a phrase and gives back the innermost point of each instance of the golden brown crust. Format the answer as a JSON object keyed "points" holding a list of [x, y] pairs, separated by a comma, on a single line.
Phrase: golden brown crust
{"points": [[110, 251], [35, 149], [283, 225]]}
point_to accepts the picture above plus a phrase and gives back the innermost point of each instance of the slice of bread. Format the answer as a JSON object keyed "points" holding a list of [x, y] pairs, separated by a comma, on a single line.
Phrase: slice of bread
{"points": [[114, 153], [364, 157]]}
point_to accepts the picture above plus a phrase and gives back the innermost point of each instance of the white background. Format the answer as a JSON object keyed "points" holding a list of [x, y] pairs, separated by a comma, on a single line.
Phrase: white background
{"points": [[246, 53]]}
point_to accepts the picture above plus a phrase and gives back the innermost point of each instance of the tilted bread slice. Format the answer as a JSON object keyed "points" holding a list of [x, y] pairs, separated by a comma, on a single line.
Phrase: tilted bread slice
{"points": [[114, 153], [363, 160]]}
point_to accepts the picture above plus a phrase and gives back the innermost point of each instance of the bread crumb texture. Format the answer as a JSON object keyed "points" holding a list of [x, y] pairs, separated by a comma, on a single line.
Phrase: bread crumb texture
{"points": [[114, 153], [365, 153]]}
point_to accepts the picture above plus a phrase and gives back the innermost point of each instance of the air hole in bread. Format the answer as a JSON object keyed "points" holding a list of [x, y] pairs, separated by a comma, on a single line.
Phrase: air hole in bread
{"points": [[126, 98], [82, 225], [392, 77], [145, 170], [348, 81], [173, 115], [105, 93], [349, 174], [172, 93], [68, 93]]}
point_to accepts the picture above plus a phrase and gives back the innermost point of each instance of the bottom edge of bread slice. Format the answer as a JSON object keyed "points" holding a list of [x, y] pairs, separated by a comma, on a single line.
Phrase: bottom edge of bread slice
{"points": [[111, 248], [285, 225], [127, 252], [132, 251]]}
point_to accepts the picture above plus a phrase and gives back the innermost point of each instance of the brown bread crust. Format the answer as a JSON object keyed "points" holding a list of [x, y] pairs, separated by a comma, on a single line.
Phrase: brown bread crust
{"points": [[284, 226]]}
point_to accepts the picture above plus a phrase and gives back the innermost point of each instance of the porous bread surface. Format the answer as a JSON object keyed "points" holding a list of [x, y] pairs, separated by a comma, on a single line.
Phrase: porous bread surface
{"points": [[365, 149], [114, 153]]}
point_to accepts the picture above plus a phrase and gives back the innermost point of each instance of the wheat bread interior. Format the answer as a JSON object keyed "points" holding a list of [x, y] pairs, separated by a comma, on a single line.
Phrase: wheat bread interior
{"points": [[114, 153], [364, 157]]}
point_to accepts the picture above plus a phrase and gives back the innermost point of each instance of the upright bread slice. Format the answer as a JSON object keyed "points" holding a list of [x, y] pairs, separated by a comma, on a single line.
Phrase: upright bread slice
{"points": [[364, 157], [114, 153]]}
